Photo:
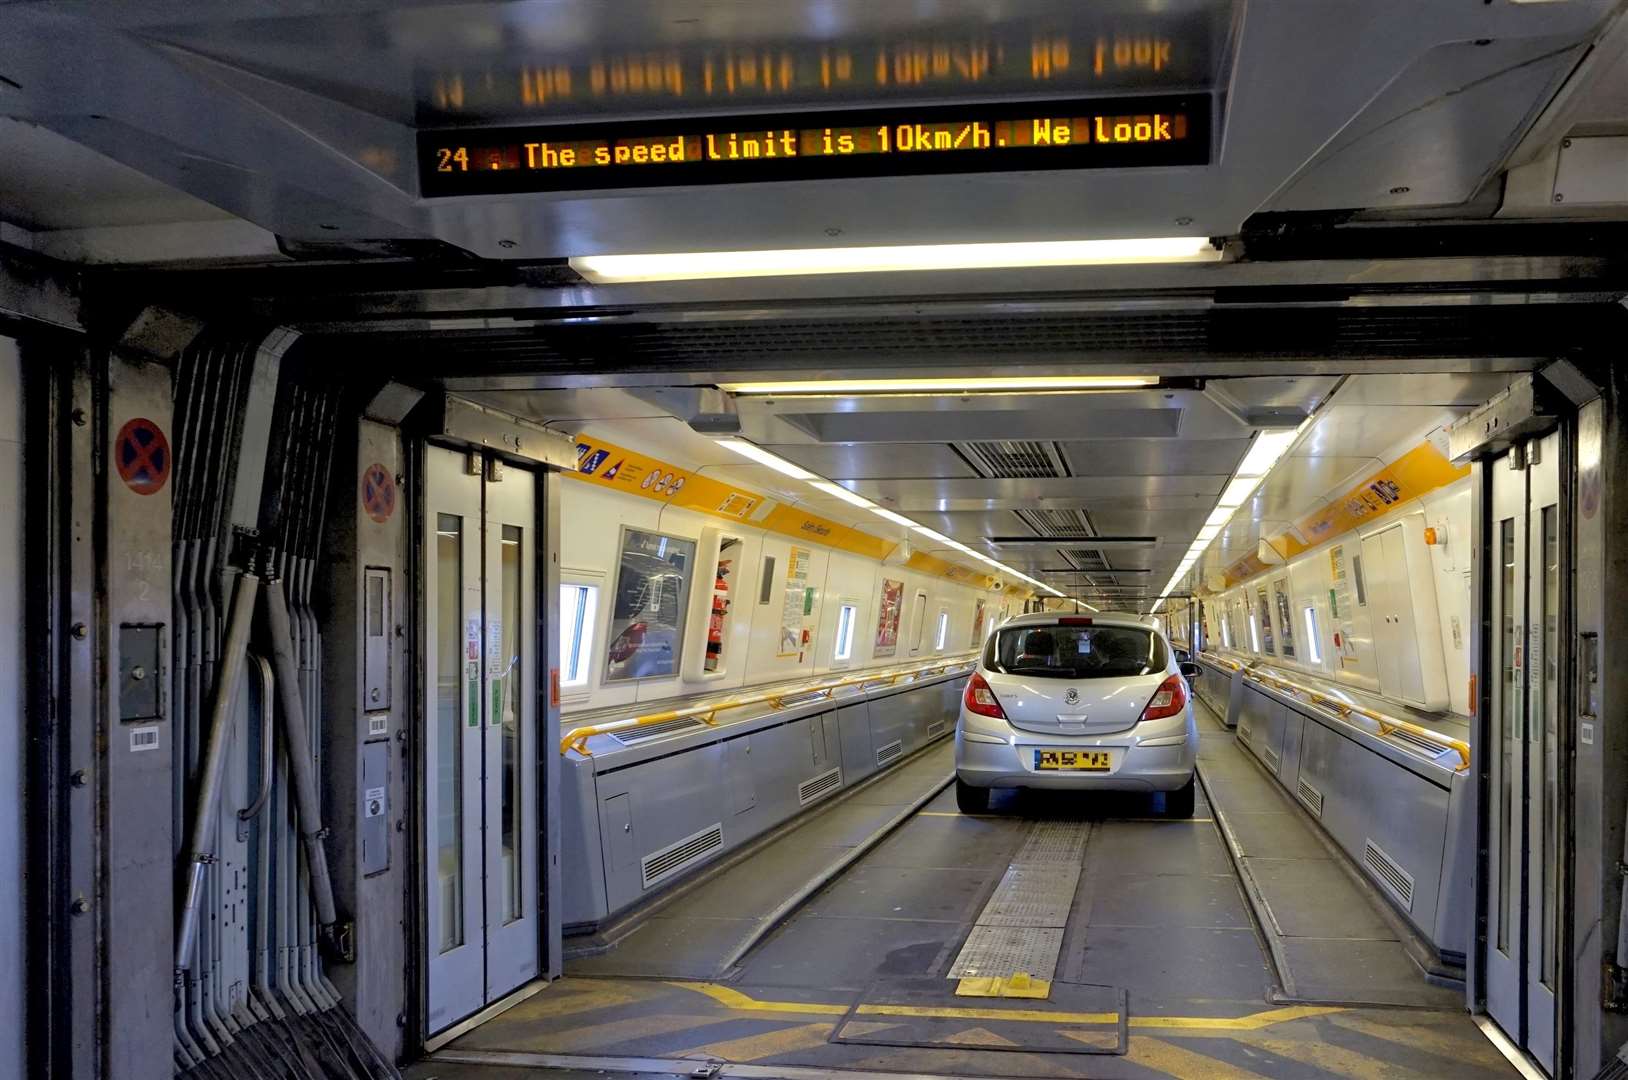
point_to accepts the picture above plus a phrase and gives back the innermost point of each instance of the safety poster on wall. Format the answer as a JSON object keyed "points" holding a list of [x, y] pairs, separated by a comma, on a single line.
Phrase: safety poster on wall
{"points": [[887, 621], [794, 603]]}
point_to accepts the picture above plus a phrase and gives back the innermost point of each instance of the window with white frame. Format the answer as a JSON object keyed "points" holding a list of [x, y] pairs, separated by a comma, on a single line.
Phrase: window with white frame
{"points": [[920, 620], [578, 604], [1254, 633], [847, 615], [943, 631], [1314, 645], [1226, 630]]}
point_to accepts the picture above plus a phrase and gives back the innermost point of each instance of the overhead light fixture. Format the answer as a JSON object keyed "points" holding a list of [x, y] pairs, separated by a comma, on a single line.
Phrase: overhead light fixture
{"points": [[1238, 491], [1208, 533], [998, 384], [1265, 451], [1219, 517], [697, 265], [842, 493], [897, 519], [931, 535], [763, 457]]}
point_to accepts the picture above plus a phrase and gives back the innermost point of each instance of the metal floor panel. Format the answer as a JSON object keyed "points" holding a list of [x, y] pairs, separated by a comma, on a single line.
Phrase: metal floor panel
{"points": [[1007, 950], [1054, 843], [1029, 895]]}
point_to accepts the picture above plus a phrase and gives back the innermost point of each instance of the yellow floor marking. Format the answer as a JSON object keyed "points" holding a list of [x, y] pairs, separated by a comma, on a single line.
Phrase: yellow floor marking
{"points": [[864, 1027], [547, 1005], [770, 1043], [734, 999], [976, 1037], [1035, 1016], [1332, 1059], [1178, 1062], [1252, 1022], [1428, 1037], [600, 1036]]}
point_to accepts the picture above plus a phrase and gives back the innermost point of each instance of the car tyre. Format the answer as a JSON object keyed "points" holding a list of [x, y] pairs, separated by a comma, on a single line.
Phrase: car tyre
{"points": [[1179, 803], [969, 799]]}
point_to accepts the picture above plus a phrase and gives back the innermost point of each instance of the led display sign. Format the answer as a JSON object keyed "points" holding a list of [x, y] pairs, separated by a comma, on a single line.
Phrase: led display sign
{"points": [[1014, 136]]}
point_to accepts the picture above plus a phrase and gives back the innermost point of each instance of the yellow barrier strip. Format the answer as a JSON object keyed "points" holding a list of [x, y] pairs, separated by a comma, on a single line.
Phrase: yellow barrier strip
{"points": [[577, 738], [734, 999]]}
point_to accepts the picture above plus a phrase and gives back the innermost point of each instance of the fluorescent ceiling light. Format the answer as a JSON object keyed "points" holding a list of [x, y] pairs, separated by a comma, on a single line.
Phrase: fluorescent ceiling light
{"points": [[931, 535], [842, 493], [763, 457], [897, 519], [967, 384], [1208, 533], [1237, 492], [1264, 453], [1219, 517], [694, 265]]}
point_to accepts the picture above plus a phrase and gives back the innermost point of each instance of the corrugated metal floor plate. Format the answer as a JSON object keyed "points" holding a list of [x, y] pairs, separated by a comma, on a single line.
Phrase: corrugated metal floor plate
{"points": [[1006, 950], [1039, 896]]}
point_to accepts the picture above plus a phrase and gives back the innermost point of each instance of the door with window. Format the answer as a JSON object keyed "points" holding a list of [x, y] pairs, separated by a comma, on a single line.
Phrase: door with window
{"points": [[480, 783], [1529, 553]]}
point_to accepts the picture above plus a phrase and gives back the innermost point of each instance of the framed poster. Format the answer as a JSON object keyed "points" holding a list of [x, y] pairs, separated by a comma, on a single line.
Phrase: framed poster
{"points": [[796, 602], [649, 604], [977, 625], [887, 619]]}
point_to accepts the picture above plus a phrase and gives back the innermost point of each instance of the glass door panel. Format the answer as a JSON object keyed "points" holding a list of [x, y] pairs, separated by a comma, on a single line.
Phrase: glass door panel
{"points": [[481, 835], [1545, 663]]}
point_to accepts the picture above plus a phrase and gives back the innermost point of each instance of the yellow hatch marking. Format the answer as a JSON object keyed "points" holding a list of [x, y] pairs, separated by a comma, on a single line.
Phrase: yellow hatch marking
{"points": [[600, 1036], [1252, 1022], [768, 1044], [1178, 1062], [734, 999], [1429, 1037], [1032, 1016], [1334, 1059], [976, 1037]]}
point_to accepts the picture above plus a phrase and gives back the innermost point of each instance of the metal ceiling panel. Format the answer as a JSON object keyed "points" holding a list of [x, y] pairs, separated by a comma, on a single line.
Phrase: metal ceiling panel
{"points": [[1019, 494], [875, 461], [923, 426], [1144, 457], [1014, 460]]}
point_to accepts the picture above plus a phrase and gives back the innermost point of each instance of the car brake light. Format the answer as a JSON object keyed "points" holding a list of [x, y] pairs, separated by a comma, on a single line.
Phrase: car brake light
{"points": [[980, 699], [1168, 700], [1074, 620]]}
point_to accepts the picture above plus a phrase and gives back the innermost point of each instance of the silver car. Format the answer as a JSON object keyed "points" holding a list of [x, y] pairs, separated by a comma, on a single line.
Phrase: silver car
{"points": [[1096, 703]]}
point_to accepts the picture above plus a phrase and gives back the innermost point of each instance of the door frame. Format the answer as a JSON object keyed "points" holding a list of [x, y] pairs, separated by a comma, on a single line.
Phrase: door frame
{"points": [[1484, 582], [545, 636]]}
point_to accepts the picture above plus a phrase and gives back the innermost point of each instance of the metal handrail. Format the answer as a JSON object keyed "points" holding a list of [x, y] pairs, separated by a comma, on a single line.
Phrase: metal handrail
{"points": [[577, 738], [1345, 710], [1221, 661]]}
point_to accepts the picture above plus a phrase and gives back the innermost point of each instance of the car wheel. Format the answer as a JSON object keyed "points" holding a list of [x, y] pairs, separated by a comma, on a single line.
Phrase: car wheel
{"points": [[1179, 803], [969, 799]]}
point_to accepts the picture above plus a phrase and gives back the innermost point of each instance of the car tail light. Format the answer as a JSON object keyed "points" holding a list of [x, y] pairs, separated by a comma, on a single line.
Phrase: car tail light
{"points": [[980, 699], [1168, 700]]}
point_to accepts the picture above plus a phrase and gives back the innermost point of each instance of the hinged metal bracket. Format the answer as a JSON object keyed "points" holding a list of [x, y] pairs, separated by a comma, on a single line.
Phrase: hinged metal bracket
{"points": [[342, 942], [1613, 986]]}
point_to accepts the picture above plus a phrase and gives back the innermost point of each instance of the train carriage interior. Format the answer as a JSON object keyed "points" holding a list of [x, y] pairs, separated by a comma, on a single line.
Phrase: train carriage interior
{"points": [[808, 539]]}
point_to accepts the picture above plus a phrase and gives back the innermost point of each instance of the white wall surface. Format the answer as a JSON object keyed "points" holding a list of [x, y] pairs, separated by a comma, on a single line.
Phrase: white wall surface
{"points": [[11, 706], [1311, 576], [592, 520]]}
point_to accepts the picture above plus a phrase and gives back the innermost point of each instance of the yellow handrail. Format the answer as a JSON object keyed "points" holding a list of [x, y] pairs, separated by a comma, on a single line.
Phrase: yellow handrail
{"points": [[577, 738], [1386, 724], [1220, 661]]}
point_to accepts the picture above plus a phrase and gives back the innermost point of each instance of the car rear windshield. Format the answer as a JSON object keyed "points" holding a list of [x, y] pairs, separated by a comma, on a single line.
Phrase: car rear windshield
{"points": [[1076, 652]]}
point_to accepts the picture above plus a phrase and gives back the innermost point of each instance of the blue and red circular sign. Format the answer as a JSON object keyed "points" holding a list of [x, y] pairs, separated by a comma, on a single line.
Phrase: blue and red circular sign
{"points": [[378, 493], [141, 454]]}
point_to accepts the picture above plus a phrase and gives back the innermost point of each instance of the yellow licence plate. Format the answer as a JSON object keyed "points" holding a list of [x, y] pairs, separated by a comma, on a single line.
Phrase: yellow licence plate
{"points": [[1079, 760]]}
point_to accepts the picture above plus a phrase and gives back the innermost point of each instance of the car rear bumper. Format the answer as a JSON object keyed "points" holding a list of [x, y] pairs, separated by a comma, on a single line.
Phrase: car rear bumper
{"points": [[990, 754]]}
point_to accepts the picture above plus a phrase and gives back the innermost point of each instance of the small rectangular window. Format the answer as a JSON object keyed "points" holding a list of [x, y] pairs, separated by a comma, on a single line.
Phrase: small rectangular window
{"points": [[765, 586], [1254, 634], [1314, 647], [920, 620], [1226, 632], [846, 616], [1356, 577], [943, 631], [577, 606]]}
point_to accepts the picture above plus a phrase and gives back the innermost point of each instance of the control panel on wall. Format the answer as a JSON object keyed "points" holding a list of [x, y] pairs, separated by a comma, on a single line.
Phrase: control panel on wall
{"points": [[376, 638]]}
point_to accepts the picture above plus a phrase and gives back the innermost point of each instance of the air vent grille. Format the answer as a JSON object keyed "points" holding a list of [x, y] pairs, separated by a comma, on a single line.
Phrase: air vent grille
{"points": [[1244, 731], [1086, 558], [890, 752], [935, 728], [1065, 523], [1395, 879], [817, 786], [635, 736], [1415, 743], [1311, 797], [1014, 460], [662, 864], [1271, 757]]}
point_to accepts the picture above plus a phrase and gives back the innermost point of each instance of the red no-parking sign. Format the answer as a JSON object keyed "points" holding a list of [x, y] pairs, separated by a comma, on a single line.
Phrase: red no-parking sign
{"points": [[141, 454]]}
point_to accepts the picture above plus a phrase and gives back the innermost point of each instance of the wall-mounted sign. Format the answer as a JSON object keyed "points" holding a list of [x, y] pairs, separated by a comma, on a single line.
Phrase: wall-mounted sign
{"points": [[1124, 132], [796, 603], [887, 620]]}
